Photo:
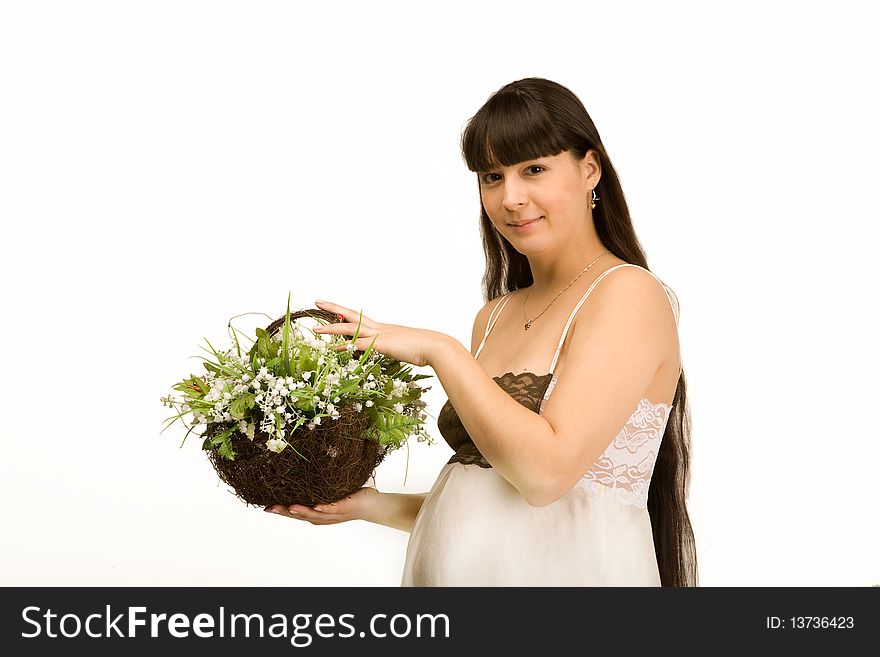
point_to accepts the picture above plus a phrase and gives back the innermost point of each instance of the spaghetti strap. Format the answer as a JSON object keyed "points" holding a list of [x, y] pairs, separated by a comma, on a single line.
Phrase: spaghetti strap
{"points": [[493, 317], [674, 305]]}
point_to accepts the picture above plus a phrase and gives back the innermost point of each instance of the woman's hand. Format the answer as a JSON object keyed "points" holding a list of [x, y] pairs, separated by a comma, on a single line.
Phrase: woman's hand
{"points": [[360, 505], [409, 345]]}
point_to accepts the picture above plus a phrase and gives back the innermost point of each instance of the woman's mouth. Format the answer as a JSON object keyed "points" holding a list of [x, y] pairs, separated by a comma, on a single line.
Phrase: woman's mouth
{"points": [[527, 226]]}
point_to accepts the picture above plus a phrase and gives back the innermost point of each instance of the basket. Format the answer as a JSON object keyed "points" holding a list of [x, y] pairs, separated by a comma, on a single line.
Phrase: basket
{"points": [[338, 459]]}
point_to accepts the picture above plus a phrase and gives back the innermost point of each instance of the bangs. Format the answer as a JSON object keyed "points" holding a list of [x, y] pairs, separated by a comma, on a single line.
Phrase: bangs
{"points": [[510, 128]]}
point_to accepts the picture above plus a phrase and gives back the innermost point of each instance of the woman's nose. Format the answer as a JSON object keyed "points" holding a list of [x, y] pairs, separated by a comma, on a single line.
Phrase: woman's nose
{"points": [[514, 194]]}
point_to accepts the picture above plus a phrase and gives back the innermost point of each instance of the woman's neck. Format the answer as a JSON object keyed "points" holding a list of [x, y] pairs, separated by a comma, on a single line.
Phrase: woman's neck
{"points": [[551, 273]]}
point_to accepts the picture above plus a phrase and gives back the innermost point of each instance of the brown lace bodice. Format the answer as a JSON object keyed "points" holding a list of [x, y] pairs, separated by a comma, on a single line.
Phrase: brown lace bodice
{"points": [[527, 388]]}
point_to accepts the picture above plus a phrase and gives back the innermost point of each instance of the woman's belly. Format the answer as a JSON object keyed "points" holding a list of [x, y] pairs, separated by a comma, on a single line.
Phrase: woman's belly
{"points": [[475, 529]]}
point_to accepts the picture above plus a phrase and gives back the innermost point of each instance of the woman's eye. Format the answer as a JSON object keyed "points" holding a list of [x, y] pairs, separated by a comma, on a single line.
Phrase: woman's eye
{"points": [[535, 166], [489, 177]]}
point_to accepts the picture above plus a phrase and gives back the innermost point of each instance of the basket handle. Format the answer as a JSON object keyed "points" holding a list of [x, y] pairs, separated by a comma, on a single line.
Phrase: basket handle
{"points": [[316, 313]]}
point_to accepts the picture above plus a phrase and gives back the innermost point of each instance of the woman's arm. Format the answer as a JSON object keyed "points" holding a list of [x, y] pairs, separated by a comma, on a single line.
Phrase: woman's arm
{"points": [[395, 510], [611, 361]]}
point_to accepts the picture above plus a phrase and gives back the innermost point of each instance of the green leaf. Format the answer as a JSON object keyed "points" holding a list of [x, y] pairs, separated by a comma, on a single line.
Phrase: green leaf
{"points": [[193, 386], [226, 451], [239, 408], [224, 369]]}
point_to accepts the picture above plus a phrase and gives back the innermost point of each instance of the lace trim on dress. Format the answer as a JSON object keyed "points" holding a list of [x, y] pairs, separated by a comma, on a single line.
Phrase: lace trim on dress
{"points": [[624, 470]]}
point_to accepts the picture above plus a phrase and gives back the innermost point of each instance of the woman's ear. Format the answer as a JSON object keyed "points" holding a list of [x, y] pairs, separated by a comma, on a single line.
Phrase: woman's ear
{"points": [[591, 168]]}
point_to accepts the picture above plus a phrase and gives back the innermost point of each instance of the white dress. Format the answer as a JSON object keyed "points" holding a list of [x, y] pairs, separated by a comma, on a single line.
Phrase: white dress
{"points": [[476, 529]]}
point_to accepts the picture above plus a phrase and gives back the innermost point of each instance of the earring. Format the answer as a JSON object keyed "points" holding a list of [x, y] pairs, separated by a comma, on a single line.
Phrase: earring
{"points": [[593, 200]]}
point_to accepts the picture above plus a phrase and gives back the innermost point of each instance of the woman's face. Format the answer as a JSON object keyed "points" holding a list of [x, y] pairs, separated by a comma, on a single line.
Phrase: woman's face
{"points": [[547, 196]]}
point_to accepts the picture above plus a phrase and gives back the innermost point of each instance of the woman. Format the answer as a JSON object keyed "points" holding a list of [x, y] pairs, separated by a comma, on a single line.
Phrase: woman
{"points": [[586, 486]]}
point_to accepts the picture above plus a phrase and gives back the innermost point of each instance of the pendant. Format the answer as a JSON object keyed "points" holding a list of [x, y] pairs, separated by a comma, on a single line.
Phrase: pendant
{"points": [[528, 324]]}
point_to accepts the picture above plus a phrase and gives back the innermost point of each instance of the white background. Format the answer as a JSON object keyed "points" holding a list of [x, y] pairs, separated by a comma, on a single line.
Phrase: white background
{"points": [[167, 165]]}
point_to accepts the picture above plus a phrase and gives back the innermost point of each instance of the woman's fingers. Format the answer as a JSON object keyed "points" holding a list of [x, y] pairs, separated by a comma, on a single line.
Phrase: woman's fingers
{"points": [[355, 506], [340, 328], [347, 313], [279, 509], [298, 512]]}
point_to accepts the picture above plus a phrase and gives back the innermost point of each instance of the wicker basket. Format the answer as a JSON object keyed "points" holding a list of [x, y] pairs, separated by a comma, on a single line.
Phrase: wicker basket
{"points": [[338, 459]]}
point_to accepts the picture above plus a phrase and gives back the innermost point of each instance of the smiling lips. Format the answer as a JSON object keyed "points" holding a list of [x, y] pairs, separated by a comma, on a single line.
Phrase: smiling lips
{"points": [[525, 224]]}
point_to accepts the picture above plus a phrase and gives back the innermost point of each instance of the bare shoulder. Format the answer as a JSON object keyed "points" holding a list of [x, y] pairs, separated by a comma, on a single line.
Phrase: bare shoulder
{"points": [[634, 294], [481, 322], [632, 285]]}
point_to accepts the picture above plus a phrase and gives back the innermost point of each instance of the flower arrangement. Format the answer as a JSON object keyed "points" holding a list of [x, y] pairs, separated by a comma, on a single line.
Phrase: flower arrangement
{"points": [[300, 417]]}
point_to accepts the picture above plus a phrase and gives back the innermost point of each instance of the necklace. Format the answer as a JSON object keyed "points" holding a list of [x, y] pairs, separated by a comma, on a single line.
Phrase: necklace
{"points": [[529, 321]]}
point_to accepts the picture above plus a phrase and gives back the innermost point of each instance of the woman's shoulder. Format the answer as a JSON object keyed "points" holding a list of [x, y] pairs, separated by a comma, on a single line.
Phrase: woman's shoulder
{"points": [[626, 283], [630, 295], [481, 321]]}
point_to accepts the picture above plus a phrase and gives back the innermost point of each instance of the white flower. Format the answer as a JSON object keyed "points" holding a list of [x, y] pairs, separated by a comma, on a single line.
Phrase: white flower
{"points": [[317, 420], [275, 445], [358, 407], [369, 403], [336, 400], [306, 376], [398, 408]]}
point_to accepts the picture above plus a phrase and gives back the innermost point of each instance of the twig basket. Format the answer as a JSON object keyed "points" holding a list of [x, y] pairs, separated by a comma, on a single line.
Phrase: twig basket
{"points": [[338, 459]]}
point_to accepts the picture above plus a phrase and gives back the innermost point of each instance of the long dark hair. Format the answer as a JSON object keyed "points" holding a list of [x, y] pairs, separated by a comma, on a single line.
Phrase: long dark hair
{"points": [[533, 118]]}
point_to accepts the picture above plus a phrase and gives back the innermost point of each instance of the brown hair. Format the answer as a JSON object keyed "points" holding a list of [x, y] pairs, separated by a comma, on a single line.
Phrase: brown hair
{"points": [[533, 118]]}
